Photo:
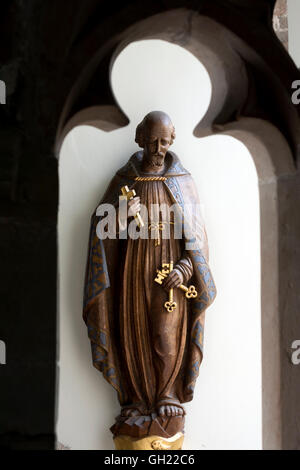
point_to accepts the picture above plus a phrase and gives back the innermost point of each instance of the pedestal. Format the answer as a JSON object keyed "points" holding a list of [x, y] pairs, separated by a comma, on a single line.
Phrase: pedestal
{"points": [[149, 442]]}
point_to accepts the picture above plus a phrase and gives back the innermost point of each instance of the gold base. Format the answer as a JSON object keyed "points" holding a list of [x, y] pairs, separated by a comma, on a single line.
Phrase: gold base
{"points": [[149, 443]]}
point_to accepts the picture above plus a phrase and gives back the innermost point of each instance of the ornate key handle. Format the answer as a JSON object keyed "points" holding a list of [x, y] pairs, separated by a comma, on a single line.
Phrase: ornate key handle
{"points": [[170, 306], [190, 292]]}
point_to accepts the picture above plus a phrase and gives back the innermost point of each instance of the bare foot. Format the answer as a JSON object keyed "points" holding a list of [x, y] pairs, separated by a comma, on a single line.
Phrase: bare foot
{"points": [[170, 410]]}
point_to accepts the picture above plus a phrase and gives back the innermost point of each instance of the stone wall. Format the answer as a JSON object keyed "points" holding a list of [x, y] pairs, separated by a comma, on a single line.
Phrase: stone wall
{"points": [[280, 21]]}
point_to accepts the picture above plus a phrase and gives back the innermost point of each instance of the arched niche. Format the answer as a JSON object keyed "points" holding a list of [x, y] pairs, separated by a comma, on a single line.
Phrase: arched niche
{"points": [[227, 182], [236, 109]]}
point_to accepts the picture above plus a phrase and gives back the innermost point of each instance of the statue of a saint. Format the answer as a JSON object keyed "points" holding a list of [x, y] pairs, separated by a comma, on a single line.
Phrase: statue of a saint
{"points": [[146, 296]]}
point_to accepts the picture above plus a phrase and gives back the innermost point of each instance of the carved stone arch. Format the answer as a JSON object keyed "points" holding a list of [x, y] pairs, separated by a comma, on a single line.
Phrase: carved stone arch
{"points": [[200, 36], [269, 128], [214, 39]]}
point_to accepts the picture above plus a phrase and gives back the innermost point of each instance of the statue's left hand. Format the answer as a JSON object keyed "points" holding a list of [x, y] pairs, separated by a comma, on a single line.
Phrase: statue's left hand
{"points": [[174, 279]]}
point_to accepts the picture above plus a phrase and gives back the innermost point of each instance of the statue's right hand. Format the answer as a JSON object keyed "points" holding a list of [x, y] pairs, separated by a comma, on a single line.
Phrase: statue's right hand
{"points": [[134, 206]]}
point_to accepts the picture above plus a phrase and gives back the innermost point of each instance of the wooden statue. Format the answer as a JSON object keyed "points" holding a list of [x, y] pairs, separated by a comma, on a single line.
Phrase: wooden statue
{"points": [[145, 297]]}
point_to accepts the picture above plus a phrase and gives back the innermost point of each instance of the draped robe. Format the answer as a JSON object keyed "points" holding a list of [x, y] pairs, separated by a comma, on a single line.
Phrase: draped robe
{"points": [[146, 353]]}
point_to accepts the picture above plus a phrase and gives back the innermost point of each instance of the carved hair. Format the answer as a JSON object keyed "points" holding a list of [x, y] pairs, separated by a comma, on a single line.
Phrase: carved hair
{"points": [[150, 119]]}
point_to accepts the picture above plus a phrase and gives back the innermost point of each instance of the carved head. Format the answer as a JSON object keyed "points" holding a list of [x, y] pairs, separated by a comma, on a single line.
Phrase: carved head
{"points": [[155, 134]]}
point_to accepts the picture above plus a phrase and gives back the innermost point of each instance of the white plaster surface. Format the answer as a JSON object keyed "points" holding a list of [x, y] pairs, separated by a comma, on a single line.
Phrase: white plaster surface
{"points": [[226, 410]]}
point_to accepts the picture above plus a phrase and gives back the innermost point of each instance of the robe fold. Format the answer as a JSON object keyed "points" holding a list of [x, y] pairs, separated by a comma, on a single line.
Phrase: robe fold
{"points": [[144, 352]]}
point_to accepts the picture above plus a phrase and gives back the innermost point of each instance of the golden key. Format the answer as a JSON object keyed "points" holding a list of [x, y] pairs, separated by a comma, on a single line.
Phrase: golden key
{"points": [[130, 194], [163, 273], [170, 305], [190, 292]]}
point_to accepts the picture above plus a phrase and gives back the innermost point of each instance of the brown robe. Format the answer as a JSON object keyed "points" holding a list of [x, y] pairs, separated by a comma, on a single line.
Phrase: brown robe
{"points": [[143, 351], [152, 340]]}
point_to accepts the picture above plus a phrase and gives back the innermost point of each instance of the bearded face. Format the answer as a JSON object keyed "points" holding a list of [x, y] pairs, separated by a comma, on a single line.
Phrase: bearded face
{"points": [[157, 142]]}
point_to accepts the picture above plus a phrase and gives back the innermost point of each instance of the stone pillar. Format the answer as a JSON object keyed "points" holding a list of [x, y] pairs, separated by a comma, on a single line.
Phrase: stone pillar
{"points": [[280, 22]]}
